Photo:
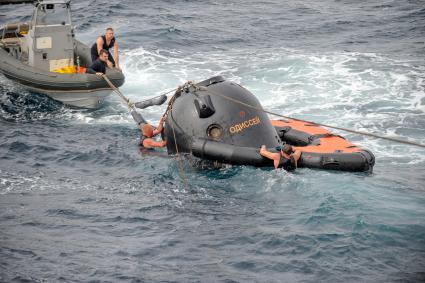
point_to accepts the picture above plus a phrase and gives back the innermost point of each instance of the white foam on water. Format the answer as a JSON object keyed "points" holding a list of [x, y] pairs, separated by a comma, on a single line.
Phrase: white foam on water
{"points": [[85, 117], [362, 91], [11, 182]]}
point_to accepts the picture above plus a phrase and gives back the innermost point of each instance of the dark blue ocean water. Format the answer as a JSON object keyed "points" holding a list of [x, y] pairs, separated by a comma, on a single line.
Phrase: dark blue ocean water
{"points": [[80, 203]]}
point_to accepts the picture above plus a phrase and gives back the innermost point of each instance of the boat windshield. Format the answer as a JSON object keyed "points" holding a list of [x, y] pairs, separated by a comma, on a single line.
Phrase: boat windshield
{"points": [[52, 14]]}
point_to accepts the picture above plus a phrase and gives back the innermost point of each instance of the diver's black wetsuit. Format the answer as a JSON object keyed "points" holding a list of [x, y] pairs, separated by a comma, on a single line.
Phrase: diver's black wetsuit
{"points": [[142, 139], [95, 54], [140, 121], [287, 163]]}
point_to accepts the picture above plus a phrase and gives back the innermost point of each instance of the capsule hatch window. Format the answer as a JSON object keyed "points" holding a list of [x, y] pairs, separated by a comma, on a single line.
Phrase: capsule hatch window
{"points": [[53, 14]]}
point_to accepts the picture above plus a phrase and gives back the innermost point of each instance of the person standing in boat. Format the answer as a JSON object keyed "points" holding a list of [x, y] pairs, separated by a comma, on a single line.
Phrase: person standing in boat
{"points": [[98, 66], [106, 41], [286, 157]]}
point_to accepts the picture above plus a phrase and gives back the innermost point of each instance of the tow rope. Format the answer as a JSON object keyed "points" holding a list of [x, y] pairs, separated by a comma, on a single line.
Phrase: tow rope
{"points": [[156, 100], [130, 104], [379, 136]]}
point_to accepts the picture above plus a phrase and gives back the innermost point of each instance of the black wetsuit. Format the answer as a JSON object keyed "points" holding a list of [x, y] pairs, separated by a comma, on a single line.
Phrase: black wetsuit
{"points": [[98, 66], [95, 54], [142, 136], [142, 139], [138, 118], [287, 163]]}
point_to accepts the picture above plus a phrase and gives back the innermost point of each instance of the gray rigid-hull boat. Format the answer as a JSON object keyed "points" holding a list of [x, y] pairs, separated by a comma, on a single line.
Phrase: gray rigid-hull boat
{"points": [[45, 58]]}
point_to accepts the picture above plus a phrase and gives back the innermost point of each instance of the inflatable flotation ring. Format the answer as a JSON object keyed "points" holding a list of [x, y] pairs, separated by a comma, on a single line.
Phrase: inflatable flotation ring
{"points": [[322, 149]]}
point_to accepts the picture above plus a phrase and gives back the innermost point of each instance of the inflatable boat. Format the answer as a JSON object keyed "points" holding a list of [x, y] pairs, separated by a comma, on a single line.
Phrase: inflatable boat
{"points": [[45, 57], [223, 122]]}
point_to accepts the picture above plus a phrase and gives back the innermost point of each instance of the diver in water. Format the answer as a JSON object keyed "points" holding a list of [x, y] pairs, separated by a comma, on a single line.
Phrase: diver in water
{"points": [[148, 131], [106, 42], [287, 158]]}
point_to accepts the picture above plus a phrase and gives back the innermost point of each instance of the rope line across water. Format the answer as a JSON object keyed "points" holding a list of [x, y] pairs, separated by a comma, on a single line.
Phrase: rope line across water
{"points": [[399, 140]]}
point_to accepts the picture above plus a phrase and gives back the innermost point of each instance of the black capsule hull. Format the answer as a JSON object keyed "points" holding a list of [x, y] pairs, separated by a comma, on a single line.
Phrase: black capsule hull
{"points": [[222, 122], [209, 111], [229, 154]]}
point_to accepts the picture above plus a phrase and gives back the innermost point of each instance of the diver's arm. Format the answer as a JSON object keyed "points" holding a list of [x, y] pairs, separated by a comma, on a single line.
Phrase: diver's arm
{"points": [[152, 143], [116, 55], [160, 126], [275, 156], [270, 155], [296, 155]]}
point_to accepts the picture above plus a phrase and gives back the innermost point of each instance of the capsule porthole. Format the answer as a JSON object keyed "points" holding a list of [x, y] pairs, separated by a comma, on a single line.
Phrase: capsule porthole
{"points": [[215, 132]]}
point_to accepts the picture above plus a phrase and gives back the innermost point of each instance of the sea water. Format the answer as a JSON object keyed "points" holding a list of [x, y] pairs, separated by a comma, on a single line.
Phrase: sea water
{"points": [[80, 203]]}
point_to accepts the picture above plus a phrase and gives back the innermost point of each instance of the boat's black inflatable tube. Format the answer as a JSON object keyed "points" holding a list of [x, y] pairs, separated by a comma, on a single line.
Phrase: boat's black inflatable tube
{"points": [[138, 118], [356, 162], [151, 102], [227, 153]]}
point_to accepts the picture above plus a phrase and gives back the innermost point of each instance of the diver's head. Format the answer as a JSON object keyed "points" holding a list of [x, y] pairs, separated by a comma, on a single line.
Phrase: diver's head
{"points": [[286, 148], [147, 130]]}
